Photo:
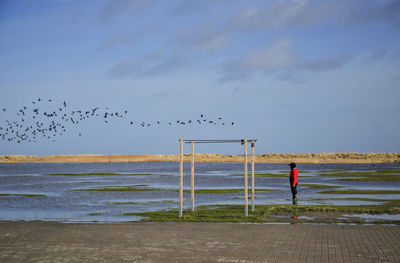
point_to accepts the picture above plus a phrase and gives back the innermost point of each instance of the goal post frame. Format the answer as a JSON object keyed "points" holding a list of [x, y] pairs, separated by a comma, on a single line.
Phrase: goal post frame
{"points": [[192, 162]]}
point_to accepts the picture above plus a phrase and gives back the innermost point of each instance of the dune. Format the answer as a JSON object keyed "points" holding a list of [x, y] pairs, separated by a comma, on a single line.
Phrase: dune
{"points": [[346, 157]]}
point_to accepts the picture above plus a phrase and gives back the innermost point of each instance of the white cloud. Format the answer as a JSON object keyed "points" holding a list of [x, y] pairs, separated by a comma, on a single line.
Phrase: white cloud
{"points": [[212, 41], [283, 13], [324, 63], [117, 40], [131, 66], [129, 39], [280, 59], [146, 66], [166, 66], [377, 54], [202, 37], [274, 57], [115, 8], [368, 11]]}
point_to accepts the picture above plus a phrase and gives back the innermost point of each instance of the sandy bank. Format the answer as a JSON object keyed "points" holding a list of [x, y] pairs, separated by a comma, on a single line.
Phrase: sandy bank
{"points": [[349, 157]]}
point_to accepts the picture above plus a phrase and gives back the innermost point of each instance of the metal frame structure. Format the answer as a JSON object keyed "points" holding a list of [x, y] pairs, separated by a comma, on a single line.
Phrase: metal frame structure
{"points": [[192, 142]]}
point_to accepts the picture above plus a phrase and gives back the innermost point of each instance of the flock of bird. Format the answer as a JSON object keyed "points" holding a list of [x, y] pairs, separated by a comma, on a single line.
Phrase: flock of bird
{"points": [[33, 123]]}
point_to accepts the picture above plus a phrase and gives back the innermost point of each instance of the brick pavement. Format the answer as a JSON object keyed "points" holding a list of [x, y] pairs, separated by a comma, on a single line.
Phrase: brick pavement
{"points": [[197, 242]]}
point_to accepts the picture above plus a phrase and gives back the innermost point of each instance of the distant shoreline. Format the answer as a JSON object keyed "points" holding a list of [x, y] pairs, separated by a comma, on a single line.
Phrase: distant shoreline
{"points": [[346, 157]]}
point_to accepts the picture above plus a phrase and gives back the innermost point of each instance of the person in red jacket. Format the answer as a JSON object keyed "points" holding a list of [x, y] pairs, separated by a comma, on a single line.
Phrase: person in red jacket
{"points": [[293, 180]]}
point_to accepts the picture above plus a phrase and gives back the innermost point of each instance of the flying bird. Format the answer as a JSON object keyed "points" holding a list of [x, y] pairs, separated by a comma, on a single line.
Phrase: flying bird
{"points": [[54, 122]]}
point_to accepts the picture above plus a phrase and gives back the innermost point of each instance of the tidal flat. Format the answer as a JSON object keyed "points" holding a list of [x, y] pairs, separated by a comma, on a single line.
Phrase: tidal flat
{"points": [[120, 192], [276, 213], [365, 176]]}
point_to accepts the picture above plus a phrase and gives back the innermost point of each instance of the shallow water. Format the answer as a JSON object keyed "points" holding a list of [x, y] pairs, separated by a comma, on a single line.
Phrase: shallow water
{"points": [[27, 192], [372, 218]]}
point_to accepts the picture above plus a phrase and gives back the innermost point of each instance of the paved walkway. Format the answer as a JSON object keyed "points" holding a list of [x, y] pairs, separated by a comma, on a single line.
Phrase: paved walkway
{"points": [[197, 242]]}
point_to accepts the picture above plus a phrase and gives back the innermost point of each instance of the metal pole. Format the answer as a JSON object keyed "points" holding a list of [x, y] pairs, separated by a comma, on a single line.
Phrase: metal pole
{"points": [[180, 177], [252, 176], [246, 212], [192, 175]]}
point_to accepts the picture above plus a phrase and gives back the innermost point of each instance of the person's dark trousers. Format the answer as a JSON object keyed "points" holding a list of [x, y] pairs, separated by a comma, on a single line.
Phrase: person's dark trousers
{"points": [[294, 191]]}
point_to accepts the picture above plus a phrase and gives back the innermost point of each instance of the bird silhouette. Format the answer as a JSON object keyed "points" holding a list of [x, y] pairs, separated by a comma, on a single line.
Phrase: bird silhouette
{"points": [[33, 123]]}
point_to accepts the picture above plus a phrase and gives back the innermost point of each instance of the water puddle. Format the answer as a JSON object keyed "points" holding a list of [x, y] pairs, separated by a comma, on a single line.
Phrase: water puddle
{"points": [[372, 218]]}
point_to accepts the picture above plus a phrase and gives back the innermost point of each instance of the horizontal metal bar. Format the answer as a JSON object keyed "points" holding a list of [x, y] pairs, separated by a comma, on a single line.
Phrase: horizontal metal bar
{"points": [[218, 141]]}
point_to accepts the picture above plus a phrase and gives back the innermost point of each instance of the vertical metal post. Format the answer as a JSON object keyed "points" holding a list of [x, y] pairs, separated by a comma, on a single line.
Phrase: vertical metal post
{"points": [[192, 175], [180, 177], [252, 176], [246, 209]]}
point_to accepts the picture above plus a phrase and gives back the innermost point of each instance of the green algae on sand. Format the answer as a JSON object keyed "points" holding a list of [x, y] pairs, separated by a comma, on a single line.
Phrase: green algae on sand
{"points": [[120, 189], [360, 192], [25, 195], [227, 191], [101, 173], [381, 175], [320, 186], [264, 213]]}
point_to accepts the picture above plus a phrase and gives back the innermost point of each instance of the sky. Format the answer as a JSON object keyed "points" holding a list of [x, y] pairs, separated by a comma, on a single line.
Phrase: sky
{"points": [[297, 75]]}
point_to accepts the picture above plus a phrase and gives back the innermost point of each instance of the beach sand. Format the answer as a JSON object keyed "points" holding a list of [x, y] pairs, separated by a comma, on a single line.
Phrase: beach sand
{"points": [[348, 157]]}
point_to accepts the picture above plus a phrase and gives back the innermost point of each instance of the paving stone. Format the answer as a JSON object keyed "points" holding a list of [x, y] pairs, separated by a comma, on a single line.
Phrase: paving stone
{"points": [[197, 242]]}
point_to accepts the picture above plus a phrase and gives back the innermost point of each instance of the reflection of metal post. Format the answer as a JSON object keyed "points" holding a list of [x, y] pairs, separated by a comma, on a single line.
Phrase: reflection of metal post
{"points": [[180, 177], [192, 175], [246, 212], [252, 176]]}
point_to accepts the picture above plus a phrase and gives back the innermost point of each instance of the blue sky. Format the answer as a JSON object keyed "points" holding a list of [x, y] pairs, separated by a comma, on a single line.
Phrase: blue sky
{"points": [[298, 75]]}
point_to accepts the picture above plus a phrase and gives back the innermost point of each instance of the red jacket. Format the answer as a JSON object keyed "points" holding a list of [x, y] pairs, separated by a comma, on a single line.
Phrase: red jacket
{"points": [[293, 176]]}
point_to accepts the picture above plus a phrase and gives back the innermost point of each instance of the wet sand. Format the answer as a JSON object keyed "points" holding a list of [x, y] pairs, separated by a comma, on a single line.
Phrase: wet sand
{"points": [[356, 158], [197, 242]]}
